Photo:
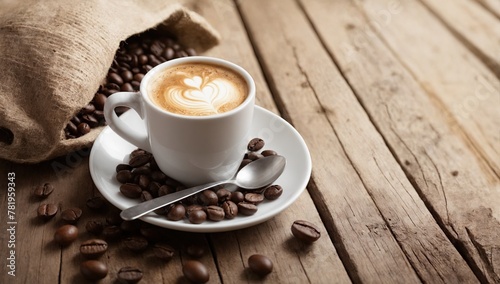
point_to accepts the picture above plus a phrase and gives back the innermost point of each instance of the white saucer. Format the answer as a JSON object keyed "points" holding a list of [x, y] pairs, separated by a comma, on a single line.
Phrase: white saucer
{"points": [[109, 150]]}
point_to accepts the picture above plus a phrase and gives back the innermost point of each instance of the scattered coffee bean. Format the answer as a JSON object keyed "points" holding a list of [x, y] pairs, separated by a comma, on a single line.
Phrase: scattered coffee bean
{"points": [[94, 227], [230, 209], [71, 215], [208, 197], [176, 212], [254, 198], [260, 264], [305, 231], [215, 213], [247, 208], [44, 190], [96, 203], [93, 248], [273, 192], [197, 216], [163, 251], [195, 250], [93, 270], [131, 190], [136, 243], [111, 233], [255, 144], [65, 235], [195, 271], [47, 211], [129, 275]]}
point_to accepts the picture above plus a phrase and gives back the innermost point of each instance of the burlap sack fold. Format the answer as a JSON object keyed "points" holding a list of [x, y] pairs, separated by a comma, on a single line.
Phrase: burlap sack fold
{"points": [[53, 56]]}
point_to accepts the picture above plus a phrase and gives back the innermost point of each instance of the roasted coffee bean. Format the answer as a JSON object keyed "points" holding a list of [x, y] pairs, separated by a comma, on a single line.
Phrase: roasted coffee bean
{"points": [[139, 160], [143, 182], [197, 216], [90, 120], [71, 215], [255, 144], [191, 51], [138, 77], [47, 211], [195, 250], [223, 194], [115, 78], [195, 271], [65, 235], [215, 213], [260, 264], [245, 162], [83, 128], [158, 176], [305, 231], [145, 196], [230, 209], [99, 101], [176, 212], [208, 197], [113, 218], [266, 153], [93, 248], [165, 189], [124, 176], [254, 156], [44, 190], [163, 251], [75, 120], [127, 75], [254, 198], [89, 108], [143, 59], [131, 190], [273, 192], [153, 60], [94, 227], [153, 188], [96, 203], [111, 233], [71, 127], [123, 167], [129, 275], [136, 243], [127, 87], [93, 270], [237, 196], [247, 208], [142, 170]]}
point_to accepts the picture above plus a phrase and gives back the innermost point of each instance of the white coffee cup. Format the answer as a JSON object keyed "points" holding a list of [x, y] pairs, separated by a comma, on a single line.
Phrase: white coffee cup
{"points": [[191, 149]]}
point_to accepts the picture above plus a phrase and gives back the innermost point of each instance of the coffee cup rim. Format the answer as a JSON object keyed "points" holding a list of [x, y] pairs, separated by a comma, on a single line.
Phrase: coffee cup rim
{"points": [[199, 59]]}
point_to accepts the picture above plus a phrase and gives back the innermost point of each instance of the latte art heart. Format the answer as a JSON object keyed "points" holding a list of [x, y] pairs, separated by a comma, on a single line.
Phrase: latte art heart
{"points": [[206, 92]]}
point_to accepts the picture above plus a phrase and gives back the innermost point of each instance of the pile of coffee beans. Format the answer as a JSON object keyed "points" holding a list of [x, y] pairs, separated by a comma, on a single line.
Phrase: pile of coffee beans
{"points": [[135, 57], [142, 179]]}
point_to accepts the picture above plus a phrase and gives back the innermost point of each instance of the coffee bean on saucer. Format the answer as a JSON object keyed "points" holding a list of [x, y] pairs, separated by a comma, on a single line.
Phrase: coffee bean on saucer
{"points": [[122, 167], [260, 264], [230, 209], [131, 190], [237, 196], [139, 160], [163, 251], [136, 243], [195, 271], [129, 275], [145, 196], [245, 162], [93, 270], [93, 248], [176, 212], [197, 216], [71, 215], [273, 192], [47, 211], [42, 191], [254, 156], [266, 153], [94, 227], [65, 235], [215, 213], [124, 176], [247, 208], [254, 198], [208, 197], [223, 194], [255, 144], [305, 231]]}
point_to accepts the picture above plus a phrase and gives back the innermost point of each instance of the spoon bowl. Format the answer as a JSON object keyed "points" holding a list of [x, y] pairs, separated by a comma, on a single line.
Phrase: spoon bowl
{"points": [[257, 174]]}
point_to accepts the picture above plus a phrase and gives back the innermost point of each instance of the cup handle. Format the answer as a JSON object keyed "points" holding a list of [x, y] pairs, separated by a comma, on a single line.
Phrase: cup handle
{"points": [[134, 101]]}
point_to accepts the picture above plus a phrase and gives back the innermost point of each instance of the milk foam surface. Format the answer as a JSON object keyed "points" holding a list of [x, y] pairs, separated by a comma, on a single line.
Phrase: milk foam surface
{"points": [[198, 89]]}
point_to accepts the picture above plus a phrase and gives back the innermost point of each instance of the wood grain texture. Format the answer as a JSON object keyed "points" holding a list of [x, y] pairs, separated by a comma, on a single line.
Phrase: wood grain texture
{"points": [[476, 27], [293, 261], [463, 87], [449, 175], [358, 169]]}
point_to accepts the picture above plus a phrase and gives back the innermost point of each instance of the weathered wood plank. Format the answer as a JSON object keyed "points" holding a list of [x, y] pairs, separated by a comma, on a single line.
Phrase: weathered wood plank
{"points": [[446, 171], [492, 5], [476, 27], [302, 73], [463, 87], [294, 262]]}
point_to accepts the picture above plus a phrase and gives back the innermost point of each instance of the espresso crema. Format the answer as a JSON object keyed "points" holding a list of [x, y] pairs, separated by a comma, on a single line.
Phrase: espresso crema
{"points": [[197, 89]]}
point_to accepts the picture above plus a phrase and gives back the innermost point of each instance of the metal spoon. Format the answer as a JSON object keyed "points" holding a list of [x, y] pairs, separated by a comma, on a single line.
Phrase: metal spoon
{"points": [[257, 174]]}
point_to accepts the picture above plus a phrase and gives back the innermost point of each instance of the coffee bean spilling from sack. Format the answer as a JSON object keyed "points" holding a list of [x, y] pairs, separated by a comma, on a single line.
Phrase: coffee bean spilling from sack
{"points": [[142, 179], [135, 57]]}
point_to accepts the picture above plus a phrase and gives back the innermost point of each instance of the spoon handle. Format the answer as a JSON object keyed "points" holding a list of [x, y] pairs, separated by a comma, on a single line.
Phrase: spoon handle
{"points": [[143, 208]]}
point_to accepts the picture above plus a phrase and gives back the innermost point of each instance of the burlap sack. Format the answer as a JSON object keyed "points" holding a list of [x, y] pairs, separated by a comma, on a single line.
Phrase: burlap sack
{"points": [[53, 56]]}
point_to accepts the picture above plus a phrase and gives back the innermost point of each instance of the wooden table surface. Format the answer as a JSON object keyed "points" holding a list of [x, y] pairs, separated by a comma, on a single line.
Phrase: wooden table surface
{"points": [[399, 104]]}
